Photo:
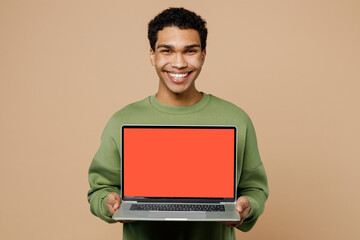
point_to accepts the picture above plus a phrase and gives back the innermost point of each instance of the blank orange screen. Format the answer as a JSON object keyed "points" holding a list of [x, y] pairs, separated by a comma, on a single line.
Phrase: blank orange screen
{"points": [[173, 162]]}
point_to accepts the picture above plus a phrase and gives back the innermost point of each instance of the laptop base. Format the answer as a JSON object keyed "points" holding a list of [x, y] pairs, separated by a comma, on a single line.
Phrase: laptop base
{"points": [[124, 213]]}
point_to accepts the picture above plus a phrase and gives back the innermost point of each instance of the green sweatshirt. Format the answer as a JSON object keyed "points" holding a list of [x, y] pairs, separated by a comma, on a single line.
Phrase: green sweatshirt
{"points": [[105, 172]]}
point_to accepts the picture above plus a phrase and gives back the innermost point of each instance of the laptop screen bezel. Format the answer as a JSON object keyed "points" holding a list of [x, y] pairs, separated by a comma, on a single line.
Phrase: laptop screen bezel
{"points": [[178, 199]]}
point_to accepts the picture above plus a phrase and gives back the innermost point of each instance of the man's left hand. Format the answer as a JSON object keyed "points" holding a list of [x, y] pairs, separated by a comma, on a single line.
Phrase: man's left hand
{"points": [[243, 207]]}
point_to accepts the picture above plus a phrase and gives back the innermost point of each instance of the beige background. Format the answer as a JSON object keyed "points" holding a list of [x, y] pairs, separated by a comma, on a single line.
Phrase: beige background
{"points": [[67, 66]]}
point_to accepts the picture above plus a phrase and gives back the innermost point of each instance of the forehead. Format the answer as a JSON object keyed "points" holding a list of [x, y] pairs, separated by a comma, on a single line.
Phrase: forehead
{"points": [[178, 37]]}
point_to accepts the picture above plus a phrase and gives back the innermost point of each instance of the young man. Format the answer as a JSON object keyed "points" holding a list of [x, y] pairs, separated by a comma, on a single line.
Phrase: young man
{"points": [[178, 49]]}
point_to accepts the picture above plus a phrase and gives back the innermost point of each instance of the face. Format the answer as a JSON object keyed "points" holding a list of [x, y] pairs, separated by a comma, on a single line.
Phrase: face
{"points": [[177, 59]]}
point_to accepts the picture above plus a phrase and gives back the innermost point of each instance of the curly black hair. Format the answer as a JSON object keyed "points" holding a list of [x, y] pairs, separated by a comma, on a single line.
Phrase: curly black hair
{"points": [[177, 17]]}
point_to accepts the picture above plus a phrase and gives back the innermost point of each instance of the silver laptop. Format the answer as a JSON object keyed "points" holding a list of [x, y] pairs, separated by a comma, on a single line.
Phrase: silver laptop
{"points": [[178, 173]]}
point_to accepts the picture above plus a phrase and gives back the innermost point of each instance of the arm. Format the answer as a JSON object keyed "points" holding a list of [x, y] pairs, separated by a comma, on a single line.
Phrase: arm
{"points": [[253, 186], [253, 180], [104, 174]]}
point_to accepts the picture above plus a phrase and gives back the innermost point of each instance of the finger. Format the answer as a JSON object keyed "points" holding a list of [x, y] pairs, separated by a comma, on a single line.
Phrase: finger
{"points": [[227, 223], [117, 201], [113, 197], [231, 224], [109, 203], [111, 209], [117, 197], [110, 198], [126, 221], [113, 201]]}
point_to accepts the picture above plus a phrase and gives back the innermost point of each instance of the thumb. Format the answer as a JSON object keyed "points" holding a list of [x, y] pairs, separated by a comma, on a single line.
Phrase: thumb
{"points": [[116, 205], [241, 204], [117, 201], [239, 207]]}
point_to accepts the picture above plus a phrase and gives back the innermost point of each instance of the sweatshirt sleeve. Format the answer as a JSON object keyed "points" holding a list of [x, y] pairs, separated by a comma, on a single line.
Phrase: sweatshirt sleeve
{"points": [[104, 174], [253, 181]]}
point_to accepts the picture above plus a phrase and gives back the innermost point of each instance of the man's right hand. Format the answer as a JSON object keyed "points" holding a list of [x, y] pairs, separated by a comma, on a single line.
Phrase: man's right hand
{"points": [[113, 202]]}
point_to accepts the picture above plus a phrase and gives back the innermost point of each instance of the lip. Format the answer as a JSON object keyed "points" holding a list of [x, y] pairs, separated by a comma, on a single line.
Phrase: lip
{"points": [[177, 81]]}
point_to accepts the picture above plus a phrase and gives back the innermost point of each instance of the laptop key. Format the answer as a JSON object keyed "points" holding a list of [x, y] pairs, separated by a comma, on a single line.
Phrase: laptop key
{"points": [[177, 207]]}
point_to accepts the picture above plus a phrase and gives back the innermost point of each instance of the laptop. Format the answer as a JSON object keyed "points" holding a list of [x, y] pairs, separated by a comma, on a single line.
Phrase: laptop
{"points": [[178, 173]]}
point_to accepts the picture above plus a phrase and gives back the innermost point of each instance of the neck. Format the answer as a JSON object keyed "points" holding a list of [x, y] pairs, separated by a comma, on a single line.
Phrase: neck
{"points": [[182, 99]]}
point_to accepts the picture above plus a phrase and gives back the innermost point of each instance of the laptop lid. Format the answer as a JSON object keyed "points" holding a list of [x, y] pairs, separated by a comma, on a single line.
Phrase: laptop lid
{"points": [[178, 163]]}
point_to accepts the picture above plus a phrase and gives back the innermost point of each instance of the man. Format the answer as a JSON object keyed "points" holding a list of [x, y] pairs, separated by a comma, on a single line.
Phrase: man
{"points": [[178, 49]]}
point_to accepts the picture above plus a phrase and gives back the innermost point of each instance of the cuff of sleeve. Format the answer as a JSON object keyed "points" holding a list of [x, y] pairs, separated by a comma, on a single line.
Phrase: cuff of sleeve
{"points": [[105, 209], [252, 217], [106, 215], [254, 208]]}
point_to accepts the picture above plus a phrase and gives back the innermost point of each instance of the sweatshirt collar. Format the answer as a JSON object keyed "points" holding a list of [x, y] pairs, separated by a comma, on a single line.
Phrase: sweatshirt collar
{"points": [[180, 109]]}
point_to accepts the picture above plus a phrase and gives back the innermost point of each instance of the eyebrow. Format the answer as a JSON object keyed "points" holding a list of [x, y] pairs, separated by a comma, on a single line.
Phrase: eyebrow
{"points": [[192, 46], [172, 47]]}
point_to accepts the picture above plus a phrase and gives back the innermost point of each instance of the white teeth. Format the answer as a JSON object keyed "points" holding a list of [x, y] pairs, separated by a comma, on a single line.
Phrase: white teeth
{"points": [[178, 76]]}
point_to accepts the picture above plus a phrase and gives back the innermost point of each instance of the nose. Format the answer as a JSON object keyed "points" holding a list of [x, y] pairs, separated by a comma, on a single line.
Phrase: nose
{"points": [[179, 61]]}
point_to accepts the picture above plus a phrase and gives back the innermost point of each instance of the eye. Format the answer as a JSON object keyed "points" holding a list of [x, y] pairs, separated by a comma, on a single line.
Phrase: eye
{"points": [[165, 51], [191, 51]]}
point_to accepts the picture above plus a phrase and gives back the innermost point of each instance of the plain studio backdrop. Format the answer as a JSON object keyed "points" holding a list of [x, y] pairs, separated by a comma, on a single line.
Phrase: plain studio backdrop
{"points": [[67, 66]]}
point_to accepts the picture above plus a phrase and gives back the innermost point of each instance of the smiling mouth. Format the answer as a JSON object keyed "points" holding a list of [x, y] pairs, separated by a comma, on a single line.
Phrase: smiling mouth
{"points": [[178, 77]]}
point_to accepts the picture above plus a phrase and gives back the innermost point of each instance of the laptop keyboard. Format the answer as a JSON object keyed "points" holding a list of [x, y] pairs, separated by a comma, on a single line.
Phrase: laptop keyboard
{"points": [[177, 207]]}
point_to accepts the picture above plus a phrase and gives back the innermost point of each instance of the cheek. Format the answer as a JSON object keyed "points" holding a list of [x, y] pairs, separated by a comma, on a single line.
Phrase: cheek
{"points": [[195, 62], [161, 62]]}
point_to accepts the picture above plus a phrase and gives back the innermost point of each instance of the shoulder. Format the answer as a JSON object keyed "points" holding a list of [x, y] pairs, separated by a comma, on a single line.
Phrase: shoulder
{"points": [[228, 109], [130, 111]]}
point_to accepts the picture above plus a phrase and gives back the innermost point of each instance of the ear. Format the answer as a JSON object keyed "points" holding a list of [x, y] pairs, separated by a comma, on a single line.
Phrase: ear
{"points": [[152, 56], [203, 55]]}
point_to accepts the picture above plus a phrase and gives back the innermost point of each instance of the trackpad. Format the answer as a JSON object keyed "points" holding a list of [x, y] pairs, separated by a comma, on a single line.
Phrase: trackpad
{"points": [[189, 215]]}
